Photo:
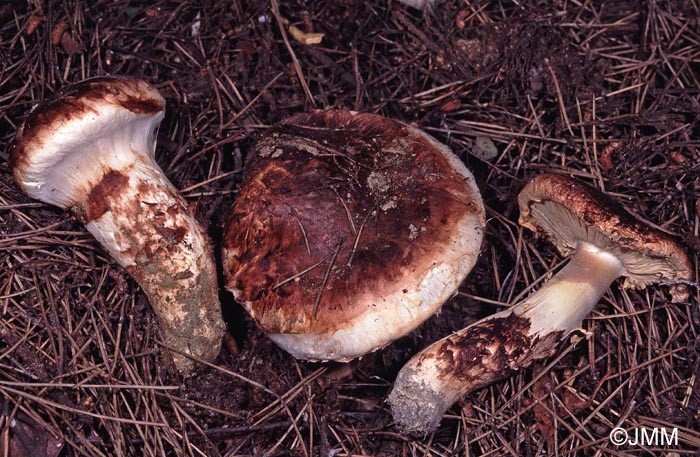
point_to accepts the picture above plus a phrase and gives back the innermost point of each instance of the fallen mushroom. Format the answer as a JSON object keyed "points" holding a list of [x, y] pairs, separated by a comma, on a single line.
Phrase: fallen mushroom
{"points": [[603, 242], [92, 151], [348, 231]]}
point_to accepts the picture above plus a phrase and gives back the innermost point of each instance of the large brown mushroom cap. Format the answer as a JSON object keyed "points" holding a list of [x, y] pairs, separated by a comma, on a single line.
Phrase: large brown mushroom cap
{"points": [[567, 211], [349, 230]]}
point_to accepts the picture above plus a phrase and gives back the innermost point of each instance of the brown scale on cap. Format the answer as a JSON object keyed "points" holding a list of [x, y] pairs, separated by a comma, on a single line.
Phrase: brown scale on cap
{"points": [[379, 206], [649, 254], [124, 91], [349, 230], [75, 101]]}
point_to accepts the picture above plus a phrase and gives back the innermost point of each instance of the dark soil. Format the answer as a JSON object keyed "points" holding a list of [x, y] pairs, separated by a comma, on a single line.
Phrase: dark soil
{"points": [[607, 92]]}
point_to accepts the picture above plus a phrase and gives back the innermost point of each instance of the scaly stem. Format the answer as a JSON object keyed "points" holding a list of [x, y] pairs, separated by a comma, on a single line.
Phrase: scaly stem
{"points": [[499, 345], [138, 216]]}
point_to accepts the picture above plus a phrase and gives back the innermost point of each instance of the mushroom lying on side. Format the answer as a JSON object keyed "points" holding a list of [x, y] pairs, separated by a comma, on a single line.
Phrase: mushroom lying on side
{"points": [[92, 151], [603, 242], [349, 230]]}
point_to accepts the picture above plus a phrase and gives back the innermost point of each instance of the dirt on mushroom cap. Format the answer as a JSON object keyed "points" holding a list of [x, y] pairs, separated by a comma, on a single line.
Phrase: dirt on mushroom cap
{"points": [[370, 193]]}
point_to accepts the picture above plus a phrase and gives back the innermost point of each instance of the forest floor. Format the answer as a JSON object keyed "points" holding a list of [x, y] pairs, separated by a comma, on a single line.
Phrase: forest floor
{"points": [[606, 92]]}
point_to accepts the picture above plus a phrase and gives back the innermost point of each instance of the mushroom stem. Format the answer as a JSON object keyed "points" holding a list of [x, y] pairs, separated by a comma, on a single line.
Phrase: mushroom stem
{"points": [[92, 151], [501, 344], [139, 217], [567, 298]]}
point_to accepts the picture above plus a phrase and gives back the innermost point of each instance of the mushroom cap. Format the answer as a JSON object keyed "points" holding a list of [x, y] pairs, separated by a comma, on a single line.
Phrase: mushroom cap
{"points": [[65, 146], [567, 212], [349, 230]]}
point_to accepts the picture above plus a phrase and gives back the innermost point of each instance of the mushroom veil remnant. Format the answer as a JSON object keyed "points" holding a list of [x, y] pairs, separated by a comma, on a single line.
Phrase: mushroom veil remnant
{"points": [[603, 242], [92, 151], [349, 230]]}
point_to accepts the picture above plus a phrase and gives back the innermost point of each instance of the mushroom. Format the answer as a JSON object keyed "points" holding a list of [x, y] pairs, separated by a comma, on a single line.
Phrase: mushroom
{"points": [[92, 151], [348, 231], [603, 242]]}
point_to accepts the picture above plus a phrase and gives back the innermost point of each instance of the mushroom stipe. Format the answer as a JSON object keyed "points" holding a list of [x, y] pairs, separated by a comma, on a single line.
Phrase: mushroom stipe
{"points": [[92, 151], [603, 242], [493, 349]]}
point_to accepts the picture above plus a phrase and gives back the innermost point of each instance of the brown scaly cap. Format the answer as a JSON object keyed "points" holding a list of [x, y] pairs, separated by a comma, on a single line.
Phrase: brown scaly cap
{"points": [[49, 143], [339, 213], [567, 211]]}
